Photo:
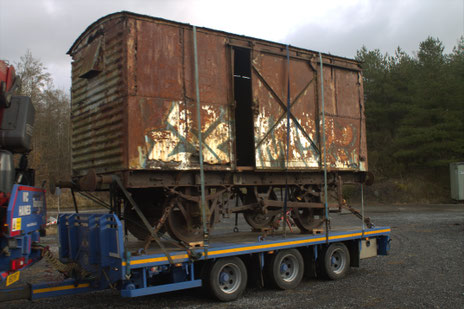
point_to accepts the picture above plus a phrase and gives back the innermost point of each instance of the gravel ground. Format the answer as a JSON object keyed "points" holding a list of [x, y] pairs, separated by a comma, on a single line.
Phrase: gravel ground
{"points": [[425, 269]]}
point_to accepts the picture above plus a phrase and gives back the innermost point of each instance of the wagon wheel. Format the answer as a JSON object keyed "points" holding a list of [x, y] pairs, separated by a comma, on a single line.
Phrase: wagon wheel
{"points": [[150, 203], [184, 222], [255, 218], [305, 218], [258, 220]]}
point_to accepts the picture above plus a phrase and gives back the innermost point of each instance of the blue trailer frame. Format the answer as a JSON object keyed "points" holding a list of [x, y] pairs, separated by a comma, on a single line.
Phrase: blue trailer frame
{"points": [[97, 243]]}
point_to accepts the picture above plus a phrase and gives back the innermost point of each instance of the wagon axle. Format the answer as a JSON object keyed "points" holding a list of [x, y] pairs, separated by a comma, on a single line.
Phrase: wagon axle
{"points": [[261, 211]]}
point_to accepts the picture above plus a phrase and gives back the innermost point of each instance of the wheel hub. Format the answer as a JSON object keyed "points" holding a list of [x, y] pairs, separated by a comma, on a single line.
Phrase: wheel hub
{"points": [[224, 278], [337, 263], [229, 278], [289, 268]]}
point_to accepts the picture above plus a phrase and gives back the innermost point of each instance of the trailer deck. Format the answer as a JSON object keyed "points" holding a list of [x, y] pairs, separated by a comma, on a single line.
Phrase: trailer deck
{"points": [[233, 244]]}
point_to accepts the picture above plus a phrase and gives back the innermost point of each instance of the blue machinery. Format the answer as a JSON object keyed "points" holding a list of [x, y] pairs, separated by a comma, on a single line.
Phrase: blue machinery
{"points": [[96, 243], [24, 218]]}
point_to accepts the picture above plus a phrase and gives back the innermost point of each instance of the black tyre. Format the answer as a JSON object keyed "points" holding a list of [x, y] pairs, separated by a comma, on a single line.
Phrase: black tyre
{"points": [[335, 263], [285, 269], [225, 279]]}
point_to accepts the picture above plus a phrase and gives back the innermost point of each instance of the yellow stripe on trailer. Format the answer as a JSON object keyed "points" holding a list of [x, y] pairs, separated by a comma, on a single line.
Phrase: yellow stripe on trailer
{"points": [[344, 236], [267, 246], [61, 288], [377, 232], [158, 259]]}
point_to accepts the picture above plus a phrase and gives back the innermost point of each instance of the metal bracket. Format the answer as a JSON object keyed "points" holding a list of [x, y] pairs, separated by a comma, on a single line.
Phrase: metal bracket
{"points": [[142, 216]]}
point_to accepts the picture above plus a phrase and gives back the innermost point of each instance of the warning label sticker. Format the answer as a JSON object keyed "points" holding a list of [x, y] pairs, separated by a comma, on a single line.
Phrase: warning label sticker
{"points": [[16, 224], [12, 278]]}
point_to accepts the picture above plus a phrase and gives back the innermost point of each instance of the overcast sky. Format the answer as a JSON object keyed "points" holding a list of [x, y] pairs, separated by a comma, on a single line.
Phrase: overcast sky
{"points": [[340, 27]]}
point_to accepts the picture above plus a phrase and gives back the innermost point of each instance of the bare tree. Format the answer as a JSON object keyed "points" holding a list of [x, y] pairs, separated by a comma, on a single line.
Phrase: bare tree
{"points": [[51, 151]]}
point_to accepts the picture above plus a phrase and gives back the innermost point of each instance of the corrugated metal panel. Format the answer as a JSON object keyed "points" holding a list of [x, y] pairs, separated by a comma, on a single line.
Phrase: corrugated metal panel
{"points": [[97, 114]]}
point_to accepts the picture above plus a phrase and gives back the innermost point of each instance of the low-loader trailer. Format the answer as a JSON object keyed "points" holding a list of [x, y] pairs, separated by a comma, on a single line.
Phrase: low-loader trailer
{"points": [[99, 256]]}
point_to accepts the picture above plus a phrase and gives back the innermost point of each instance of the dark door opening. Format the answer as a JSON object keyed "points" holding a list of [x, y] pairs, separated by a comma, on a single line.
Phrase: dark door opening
{"points": [[244, 128]]}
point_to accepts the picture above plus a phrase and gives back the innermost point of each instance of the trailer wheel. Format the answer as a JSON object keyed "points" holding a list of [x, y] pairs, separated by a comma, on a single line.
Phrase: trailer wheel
{"points": [[336, 262], [285, 269], [226, 279]]}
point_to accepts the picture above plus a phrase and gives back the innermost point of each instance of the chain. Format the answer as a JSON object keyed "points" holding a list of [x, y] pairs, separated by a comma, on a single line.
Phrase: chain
{"points": [[356, 212], [160, 224], [66, 269]]}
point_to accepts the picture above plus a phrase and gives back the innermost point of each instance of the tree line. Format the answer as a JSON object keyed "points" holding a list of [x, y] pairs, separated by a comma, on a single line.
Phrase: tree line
{"points": [[414, 108], [51, 154]]}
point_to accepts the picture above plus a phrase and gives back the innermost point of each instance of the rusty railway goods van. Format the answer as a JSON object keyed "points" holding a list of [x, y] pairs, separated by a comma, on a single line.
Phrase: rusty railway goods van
{"points": [[134, 116]]}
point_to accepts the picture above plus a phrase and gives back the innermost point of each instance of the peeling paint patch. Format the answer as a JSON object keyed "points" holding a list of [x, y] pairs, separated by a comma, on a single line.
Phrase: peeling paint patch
{"points": [[177, 142], [341, 140]]}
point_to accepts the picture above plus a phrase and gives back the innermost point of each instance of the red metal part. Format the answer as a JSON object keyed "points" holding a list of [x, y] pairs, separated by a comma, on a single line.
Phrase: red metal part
{"points": [[17, 263], [4, 197], [7, 78], [7, 74]]}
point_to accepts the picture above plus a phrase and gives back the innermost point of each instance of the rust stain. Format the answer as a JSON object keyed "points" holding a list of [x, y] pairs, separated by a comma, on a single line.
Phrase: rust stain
{"points": [[133, 101], [270, 94]]}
